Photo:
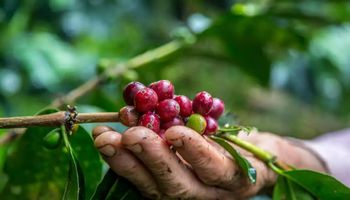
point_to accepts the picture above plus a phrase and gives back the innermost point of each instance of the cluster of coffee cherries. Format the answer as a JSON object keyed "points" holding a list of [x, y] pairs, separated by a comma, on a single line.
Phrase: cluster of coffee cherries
{"points": [[158, 108]]}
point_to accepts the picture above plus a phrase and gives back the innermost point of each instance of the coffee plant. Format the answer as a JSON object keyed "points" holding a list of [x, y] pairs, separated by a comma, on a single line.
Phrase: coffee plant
{"points": [[157, 108]]}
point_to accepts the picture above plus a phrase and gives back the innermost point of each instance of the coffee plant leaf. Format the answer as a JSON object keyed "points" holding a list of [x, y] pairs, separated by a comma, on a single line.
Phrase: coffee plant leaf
{"points": [[114, 187], [243, 163], [74, 188], [105, 185], [124, 190], [286, 189], [88, 158], [322, 186], [31, 170]]}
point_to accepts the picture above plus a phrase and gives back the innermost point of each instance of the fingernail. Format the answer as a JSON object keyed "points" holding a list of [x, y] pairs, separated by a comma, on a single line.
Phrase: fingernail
{"points": [[177, 142], [136, 148], [108, 150]]}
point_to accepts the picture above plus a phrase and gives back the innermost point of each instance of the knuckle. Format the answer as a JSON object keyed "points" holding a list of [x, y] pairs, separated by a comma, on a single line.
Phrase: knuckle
{"points": [[107, 137], [149, 190], [98, 130], [180, 192], [129, 171], [225, 175], [152, 195]]}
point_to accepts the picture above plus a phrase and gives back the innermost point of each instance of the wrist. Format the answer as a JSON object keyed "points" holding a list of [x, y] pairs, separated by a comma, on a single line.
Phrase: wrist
{"points": [[302, 157]]}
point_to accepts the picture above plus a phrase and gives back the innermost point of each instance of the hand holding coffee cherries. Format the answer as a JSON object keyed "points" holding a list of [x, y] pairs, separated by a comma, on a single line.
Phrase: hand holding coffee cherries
{"points": [[194, 167]]}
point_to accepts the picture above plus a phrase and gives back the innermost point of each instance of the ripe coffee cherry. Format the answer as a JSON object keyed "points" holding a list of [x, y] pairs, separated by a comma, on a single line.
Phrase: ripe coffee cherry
{"points": [[129, 116], [168, 109], [185, 105], [217, 108], [177, 121], [212, 126], [145, 100], [151, 121], [197, 122], [130, 91], [163, 88], [202, 103]]}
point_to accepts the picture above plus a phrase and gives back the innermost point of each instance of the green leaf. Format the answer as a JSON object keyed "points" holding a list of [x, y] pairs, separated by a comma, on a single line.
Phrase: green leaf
{"points": [[105, 185], [124, 190], [34, 172], [88, 158], [320, 185], [74, 188], [3, 153], [114, 187], [287, 190], [235, 129], [243, 163]]}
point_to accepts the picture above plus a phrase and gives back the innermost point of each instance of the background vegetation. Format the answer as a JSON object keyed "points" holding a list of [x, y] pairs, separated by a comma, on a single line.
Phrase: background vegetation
{"points": [[282, 66]]}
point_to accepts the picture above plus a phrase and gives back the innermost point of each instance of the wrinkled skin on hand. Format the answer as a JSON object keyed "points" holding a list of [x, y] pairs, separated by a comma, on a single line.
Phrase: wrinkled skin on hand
{"points": [[197, 168]]}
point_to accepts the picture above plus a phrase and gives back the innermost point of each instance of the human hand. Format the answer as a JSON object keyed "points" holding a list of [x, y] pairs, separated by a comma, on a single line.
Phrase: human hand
{"points": [[199, 169]]}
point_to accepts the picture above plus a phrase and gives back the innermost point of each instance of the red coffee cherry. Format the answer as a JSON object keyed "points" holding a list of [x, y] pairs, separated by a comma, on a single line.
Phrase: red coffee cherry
{"points": [[129, 116], [185, 105], [145, 100], [130, 91], [177, 121], [202, 103], [168, 109], [151, 121], [217, 108], [212, 126], [163, 88]]}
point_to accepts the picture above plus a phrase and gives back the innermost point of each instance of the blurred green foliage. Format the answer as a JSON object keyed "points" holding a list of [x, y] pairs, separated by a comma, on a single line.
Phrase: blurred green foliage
{"points": [[282, 66], [261, 57]]}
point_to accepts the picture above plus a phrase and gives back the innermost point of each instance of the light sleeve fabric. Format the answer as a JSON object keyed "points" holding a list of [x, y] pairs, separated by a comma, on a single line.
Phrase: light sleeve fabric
{"points": [[334, 150]]}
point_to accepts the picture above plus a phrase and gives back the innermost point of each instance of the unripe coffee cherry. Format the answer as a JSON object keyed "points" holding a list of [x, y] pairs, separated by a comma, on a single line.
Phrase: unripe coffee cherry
{"points": [[163, 88], [168, 109], [212, 126], [53, 139], [151, 121], [177, 121], [197, 123], [217, 108], [145, 100], [185, 105], [130, 90], [202, 103], [129, 116]]}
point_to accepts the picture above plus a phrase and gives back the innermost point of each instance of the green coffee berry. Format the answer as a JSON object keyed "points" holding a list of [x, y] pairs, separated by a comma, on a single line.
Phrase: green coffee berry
{"points": [[53, 139], [197, 122]]}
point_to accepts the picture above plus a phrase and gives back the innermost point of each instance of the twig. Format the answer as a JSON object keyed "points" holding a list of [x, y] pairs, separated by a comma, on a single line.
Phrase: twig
{"points": [[261, 154], [76, 93], [115, 70], [57, 119]]}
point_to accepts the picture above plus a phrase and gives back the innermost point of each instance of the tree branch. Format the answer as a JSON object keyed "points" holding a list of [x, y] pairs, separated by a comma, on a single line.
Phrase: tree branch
{"points": [[57, 119], [114, 70]]}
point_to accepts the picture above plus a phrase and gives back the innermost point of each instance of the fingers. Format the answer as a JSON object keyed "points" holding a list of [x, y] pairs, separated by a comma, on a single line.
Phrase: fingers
{"points": [[213, 165], [123, 162], [210, 165], [173, 178]]}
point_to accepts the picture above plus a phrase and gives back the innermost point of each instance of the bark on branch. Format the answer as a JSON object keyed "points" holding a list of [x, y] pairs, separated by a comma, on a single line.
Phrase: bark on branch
{"points": [[57, 119]]}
